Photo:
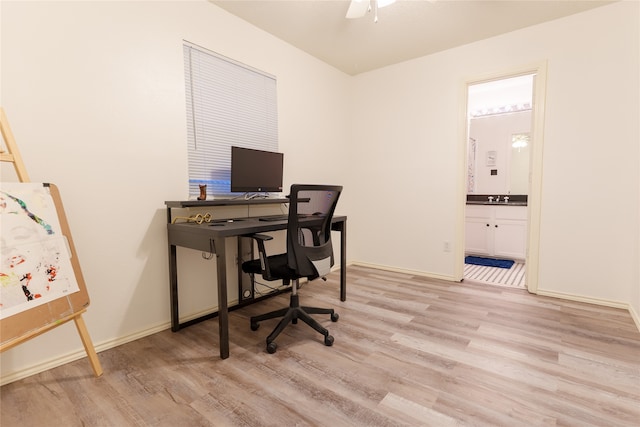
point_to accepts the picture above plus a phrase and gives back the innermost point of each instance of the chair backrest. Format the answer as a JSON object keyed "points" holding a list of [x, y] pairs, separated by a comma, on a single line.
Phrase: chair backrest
{"points": [[309, 248]]}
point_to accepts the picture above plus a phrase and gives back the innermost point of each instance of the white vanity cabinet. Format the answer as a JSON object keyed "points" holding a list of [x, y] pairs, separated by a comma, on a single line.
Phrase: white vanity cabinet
{"points": [[496, 230], [478, 230]]}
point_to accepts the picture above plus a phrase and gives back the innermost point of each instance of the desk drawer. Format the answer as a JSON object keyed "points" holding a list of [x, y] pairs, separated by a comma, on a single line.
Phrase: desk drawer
{"points": [[189, 238]]}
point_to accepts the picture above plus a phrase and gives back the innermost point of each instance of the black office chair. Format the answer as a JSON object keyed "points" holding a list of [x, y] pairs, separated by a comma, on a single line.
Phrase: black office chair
{"points": [[309, 254]]}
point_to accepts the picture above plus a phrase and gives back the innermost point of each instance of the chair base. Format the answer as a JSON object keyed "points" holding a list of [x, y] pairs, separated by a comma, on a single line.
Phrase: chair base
{"points": [[291, 314]]}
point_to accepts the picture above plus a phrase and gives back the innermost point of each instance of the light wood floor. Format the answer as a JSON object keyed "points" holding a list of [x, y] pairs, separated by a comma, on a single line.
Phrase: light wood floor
{"points": [[408, 351]]}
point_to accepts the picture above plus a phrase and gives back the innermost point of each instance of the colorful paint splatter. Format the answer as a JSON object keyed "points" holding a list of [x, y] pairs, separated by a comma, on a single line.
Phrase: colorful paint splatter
{"points": [[35, 266], [31, 215]]}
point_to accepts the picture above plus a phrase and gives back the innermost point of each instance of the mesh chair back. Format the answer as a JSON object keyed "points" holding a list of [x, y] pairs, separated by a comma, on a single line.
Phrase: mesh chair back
{"points": [[309, 248]]}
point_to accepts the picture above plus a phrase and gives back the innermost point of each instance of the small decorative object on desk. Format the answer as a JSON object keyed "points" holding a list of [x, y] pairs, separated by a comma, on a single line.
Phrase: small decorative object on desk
{"points": [[203, 192]]}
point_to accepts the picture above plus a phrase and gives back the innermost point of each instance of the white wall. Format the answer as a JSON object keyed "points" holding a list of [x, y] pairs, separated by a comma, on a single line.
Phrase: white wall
{"points": [[406, 141], [94, 93], [409, 139]]}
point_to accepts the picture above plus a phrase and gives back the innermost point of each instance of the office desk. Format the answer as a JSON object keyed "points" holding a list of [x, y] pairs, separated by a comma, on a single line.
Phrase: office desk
{"points": [[210, 237]]}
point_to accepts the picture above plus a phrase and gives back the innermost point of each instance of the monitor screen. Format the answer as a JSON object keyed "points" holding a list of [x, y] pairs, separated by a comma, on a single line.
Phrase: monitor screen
{"points": [[255, 170]]}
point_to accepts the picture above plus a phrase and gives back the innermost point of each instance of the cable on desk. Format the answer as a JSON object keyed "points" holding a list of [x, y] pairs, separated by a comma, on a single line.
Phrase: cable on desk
{"points": [[209, 255], [272, 288]]}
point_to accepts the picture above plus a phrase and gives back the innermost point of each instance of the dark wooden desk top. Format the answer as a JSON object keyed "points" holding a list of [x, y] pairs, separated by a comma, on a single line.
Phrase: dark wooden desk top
{"points": [[224, 202], [197, 236]]}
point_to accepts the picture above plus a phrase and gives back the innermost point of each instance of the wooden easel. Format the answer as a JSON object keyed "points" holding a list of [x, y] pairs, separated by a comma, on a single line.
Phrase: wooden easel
{"points": [[12, 155]]}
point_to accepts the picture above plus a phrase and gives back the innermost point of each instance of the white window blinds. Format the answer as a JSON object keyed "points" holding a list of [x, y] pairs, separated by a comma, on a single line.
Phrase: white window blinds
{"points": [[228, 103]]}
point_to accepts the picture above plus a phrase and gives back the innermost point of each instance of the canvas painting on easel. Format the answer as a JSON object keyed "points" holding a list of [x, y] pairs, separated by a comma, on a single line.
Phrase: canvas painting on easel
{"points": [[35, 266], [41, 283]]}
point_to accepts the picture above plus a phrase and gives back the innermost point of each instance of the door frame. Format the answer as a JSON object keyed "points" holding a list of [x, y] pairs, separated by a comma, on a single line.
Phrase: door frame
{"points": [[535, 171]]}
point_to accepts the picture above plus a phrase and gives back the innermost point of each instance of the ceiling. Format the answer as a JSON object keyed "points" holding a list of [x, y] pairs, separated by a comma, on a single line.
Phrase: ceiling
{"points": [[405, 30]]}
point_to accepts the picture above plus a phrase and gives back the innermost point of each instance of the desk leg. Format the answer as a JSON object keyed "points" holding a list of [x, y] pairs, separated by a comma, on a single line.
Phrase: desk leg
{"points": [[223, 310], [173, 289], [343, 261], [341, 226]]}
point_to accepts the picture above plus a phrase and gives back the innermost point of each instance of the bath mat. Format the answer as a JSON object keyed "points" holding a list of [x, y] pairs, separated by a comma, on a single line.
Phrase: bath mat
{"points": [[489, 262]]}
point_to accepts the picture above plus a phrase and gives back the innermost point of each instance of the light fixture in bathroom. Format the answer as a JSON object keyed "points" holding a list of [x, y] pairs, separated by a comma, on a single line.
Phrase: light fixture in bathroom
{"points": [[500, 109]]}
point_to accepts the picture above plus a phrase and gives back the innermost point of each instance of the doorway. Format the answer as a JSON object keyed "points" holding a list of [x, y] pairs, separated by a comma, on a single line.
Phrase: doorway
{"points": [[499, 114], [487, 171]]}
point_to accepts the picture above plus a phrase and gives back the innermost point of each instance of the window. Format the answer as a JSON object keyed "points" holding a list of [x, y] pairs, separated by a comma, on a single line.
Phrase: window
{"points": [[228, 103]]}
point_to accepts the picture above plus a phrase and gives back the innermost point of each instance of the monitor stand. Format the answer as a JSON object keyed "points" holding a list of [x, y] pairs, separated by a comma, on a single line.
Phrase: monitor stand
{"points": [[250, 196]]}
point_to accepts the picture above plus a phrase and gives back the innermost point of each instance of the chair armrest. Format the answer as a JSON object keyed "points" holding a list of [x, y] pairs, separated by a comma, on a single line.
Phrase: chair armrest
{"points": [[262, 253], [260, 236]]}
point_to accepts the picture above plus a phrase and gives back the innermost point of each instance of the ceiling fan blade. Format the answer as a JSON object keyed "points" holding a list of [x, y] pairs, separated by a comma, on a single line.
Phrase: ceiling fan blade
{"points": [[358, 8]]}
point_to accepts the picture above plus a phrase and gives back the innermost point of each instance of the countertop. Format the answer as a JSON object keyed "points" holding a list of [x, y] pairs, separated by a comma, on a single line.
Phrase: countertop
{"points": [[510, 203], [483, 199]]}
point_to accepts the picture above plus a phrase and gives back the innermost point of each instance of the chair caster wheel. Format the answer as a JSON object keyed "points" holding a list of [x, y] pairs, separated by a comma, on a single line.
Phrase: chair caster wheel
{"points": [[334, 317], [254, 326], [272, 347], [328, 340]]}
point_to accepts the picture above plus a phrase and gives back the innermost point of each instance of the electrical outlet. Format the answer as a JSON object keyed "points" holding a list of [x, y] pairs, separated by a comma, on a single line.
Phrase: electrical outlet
{"points": [[447, 246]]}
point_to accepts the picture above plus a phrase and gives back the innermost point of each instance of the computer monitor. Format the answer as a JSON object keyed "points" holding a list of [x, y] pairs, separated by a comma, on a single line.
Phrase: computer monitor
{"points": [[256, 170]]}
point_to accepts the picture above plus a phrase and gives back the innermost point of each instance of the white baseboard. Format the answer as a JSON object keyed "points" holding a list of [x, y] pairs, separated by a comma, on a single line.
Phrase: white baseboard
{"points": [[80, 354], [596, 301], [404, 271], [581, 298], [635, 317]]}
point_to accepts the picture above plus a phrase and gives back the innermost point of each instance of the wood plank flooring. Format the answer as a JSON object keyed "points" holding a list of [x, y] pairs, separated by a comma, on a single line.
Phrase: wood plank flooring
{"points": [[408, 351]]}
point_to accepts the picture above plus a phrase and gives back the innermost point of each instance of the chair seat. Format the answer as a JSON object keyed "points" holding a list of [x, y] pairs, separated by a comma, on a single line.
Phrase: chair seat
{"points": [[277, 265]]}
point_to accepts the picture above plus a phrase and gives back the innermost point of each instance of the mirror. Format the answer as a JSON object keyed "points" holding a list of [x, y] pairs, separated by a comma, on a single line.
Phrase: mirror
{"points": [[500, 119], [519, 166]]}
